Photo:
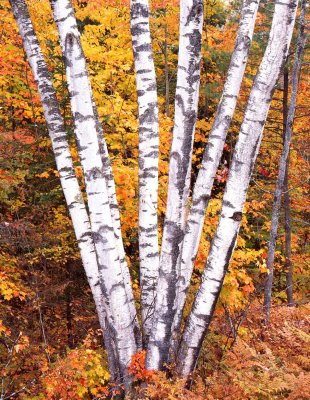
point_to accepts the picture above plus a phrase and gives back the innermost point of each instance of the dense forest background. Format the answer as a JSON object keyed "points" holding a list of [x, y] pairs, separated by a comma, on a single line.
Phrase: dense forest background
{"points": [[50, 341]]}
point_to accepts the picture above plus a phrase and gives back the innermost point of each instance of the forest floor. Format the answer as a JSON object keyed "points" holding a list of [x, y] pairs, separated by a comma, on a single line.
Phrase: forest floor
{"points": [[261, 363]]}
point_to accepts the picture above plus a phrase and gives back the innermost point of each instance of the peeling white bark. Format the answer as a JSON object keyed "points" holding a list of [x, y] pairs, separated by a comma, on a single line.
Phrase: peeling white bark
{"points": [[237, 184], [283, 162], [121, 321], [108, 174], [69, 182], [212, 156], [148, 158], [186, 102]]}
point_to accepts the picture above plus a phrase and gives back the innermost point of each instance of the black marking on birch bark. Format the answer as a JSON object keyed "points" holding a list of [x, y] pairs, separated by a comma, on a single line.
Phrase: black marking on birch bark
{"points": [[137, 30], [215, 137], [116, 285], [243, 42], [146, 47], [145, 174], [69, 43], [229, 253], [195, 47], [258, 82], [147, 230], [195, 12], [208, 158], [93, 173], [152, 87], [80, 75], [81, 118], [186, 150], [59, 139], [227, 203], [199, 212], [253, 154], [151, 255], [71, 14], [59, 149], [93, 194], [79, 146], [261, 123], [78, 58], [215, 280], [203, 198], [152, 168], [143, 245], [144, 129], [138, 10], [105, 228], [86, 235], [153, 154], [237, 216], [149, 115], [143, 71], [73, 204], [180, 102]]}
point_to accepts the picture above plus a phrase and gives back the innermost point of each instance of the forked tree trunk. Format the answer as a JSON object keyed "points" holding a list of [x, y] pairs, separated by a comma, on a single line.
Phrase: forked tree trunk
{"points": [[243, 161], [69, 182], [65, 25], [99, 235], [120, 318], [283, 162], [148, 158], [212, 157], [186, 103]]}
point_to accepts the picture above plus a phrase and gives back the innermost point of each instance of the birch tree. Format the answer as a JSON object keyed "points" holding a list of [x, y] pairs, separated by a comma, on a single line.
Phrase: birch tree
{"points": [[148, 158], [164, 278], [212, 156], [111, 270], [283, 162], [243, 161], [186, 103], [69, 182]]}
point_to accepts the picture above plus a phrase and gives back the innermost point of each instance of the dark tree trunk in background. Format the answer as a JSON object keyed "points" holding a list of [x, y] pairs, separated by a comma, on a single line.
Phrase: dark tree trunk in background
{"points": [[284, 162]]}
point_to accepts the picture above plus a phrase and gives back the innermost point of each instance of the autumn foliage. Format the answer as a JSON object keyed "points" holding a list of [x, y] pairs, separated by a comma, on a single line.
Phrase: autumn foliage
{"points": [[50, 345]]}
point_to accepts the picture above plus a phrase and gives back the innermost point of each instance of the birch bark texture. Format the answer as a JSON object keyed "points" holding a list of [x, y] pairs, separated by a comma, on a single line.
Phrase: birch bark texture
{"points": [[212, 155], [283, 162], [121, 321], [148, 158], [186, 103], [64, 163], [243, 161]]}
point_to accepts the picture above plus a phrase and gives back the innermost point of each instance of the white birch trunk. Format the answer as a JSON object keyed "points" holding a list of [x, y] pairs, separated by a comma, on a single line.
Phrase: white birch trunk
{"points": [[121, 320], [69, 182], [108, 174], [212, 156], [70, 23], [186, 102], [148, 158], [236, 189], [283, 162]]}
